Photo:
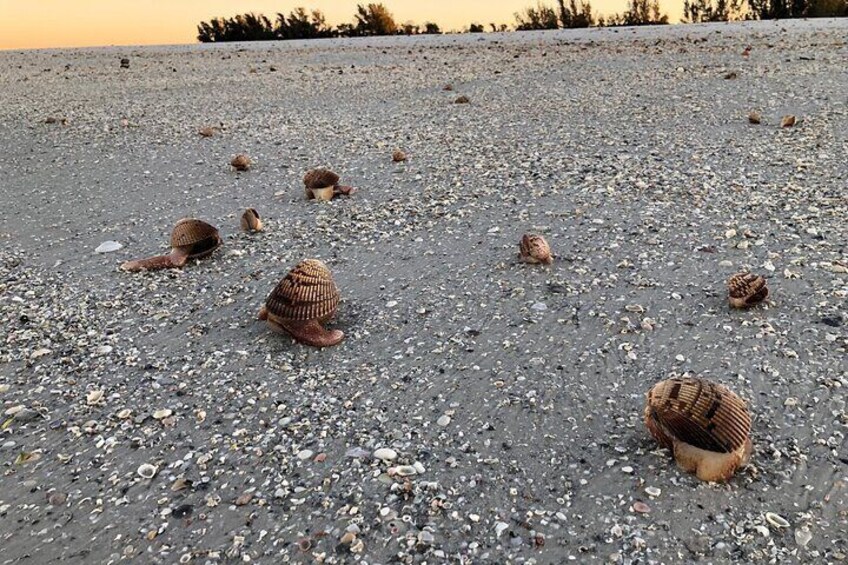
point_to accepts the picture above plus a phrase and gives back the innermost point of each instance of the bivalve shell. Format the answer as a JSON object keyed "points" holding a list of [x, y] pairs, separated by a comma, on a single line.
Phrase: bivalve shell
{"points": [[241, 162], [746, 289], [706, 426], [535, 249], [147, 471], [250, 220], [308, 292]]}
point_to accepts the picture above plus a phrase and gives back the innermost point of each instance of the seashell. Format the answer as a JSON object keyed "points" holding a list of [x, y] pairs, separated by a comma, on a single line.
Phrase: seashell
{"points": [[250, 220], [207, 131], [754, 117], [147, 471], [241, 162], [462, 100], [306, 298], [398, 156], [25, 457], [705, 425], [535, 249], [731, 75], [385, 454], [776, 520], [746, 289], [93, 397], [787, 121], [162, 413], [323, 184], [320, 178], [190, 239], [448, 88]]}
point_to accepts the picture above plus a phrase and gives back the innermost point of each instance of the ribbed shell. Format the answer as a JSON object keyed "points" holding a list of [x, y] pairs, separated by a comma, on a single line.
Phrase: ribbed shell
{"points": [[701, 413], [746, 289], [534, 248], [189, 231], [320, 178], [306, 293]]}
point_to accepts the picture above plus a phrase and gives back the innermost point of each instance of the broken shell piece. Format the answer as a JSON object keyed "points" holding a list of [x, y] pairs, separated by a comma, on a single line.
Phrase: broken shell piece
{"points": [[207, 131], [305, 299], [776, 520], [190, 239], [250, 220], [398, 156], [754, 117], [93, 397], [162, 413], [746, 289], [705, 425], [462, 100], [535, 249], [147, 471], [787, 121], [241, 162]]}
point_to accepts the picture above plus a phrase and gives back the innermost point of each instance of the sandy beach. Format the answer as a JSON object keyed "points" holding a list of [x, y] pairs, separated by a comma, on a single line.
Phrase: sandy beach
{"points": [[506, 398]]}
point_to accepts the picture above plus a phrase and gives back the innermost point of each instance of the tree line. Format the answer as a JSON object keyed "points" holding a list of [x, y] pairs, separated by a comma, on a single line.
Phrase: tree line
{"points": [[375, 19]]}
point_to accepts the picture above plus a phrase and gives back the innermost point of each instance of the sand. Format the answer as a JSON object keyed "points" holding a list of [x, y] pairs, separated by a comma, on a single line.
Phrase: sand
{"points": [[510, 395]]}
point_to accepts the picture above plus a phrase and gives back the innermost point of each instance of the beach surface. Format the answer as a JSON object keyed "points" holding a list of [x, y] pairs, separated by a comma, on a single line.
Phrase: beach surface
{"points": [[152, 418]]}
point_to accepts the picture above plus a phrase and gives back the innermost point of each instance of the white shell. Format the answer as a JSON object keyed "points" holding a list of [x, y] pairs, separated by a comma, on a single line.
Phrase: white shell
{"points": [[147, 471], [108, 247], [385, 454], [776, 520]]}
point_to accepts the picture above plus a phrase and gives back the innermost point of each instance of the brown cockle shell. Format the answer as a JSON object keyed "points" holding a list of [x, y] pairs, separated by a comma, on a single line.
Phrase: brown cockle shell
{"points": [[250, 220], [746, 289], [317, 183], [787, 121], [398, 156], [190, 239], [535, 249], [706, 426], [306, 298], [241, 162]]}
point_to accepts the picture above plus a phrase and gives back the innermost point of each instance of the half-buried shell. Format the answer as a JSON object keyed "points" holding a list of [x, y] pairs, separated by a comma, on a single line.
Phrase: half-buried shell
{"points": [[706, 426], [746, 289], [305, 299]]}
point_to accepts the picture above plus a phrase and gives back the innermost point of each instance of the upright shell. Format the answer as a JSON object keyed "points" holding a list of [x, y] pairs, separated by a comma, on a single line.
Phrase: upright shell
{"points": [[535, 249], [706, 426], [746, 289], [307, 292], [320, 184], [241, 162], [250, 220]]}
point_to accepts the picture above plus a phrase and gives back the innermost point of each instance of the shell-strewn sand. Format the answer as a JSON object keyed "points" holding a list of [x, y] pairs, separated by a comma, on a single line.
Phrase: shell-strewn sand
{"points": [[510, 394]]}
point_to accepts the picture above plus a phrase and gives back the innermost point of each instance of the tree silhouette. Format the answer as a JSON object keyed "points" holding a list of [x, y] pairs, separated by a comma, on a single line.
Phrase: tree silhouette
{"points": [[711, 10], [569, 15], [431, 28], [475, 28], [374, 19], [775, 9], [639, 13]]}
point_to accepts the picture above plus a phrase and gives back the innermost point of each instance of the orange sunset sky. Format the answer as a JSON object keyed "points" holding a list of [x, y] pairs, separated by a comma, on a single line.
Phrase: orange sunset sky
{"points": [[29, 24]]}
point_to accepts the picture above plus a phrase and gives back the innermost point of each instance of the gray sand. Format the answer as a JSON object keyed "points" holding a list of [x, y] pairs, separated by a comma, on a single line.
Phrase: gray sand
{"points": [[516, 390]]}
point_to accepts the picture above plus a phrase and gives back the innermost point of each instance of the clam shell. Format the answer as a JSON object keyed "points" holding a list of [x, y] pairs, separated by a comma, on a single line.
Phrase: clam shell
{"points": [[250, 220], [698, 412], [147, 471], [241, 162], [754, 117], [535, 249], [398, 156], [306, 293], [746, 289], [787, 121], [195, 236], [320, 178]]}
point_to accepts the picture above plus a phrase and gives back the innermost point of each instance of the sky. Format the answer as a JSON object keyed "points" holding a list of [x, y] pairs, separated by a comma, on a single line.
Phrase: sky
{"points": [[32, 24]]}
